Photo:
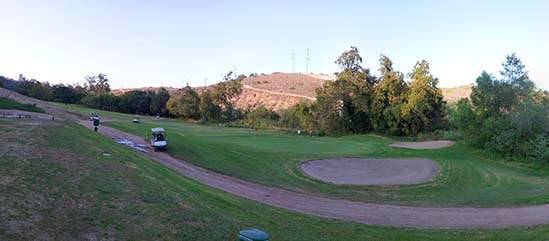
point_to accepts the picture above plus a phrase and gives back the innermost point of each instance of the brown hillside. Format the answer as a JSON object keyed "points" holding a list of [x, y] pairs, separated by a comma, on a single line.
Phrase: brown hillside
{"points": [[452, 95], [291, 83], [277, 91]]}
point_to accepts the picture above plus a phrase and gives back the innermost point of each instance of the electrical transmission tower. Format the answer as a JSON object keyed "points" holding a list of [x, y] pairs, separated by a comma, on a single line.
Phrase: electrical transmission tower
{"points": [[293, 61], [307, 60]]}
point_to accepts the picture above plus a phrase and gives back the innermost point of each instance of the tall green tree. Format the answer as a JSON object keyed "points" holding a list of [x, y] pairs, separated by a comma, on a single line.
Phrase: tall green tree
{"points": [[209, 110], [224, 91], [491, 97], [159, 101], [68, 93], [97, 85], [223, 94], [425, 109], [34, 88], [261, 117], [514, 73], [300, 116], [389, 96], [345, 102], [185, 104], [135, 102], [507, 115]]}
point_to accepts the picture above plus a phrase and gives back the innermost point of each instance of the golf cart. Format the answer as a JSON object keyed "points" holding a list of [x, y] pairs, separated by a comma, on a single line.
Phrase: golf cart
{"points": [[136, 120], [158, 139]]}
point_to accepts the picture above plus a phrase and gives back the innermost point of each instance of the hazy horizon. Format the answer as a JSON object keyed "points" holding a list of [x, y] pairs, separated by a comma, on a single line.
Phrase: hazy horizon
{"points": [[170, 43]]}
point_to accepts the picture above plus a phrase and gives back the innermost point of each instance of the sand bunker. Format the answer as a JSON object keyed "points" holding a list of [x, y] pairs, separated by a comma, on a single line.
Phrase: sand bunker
{"points": [[356, 171], [423, 145]]}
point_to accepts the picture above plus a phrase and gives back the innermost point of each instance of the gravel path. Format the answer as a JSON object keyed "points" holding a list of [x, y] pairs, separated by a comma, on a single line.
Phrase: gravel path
{"points": [[357, 171], [367, 213]]}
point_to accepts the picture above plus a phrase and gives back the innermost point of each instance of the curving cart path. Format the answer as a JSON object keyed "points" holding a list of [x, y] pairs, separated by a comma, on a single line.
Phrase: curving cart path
{"points": [[367, 213]]}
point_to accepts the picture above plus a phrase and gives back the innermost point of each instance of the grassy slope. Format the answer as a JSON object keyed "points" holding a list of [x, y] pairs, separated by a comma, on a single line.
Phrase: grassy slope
{"points": [[6, 103], [468, 178], [57, 184]]}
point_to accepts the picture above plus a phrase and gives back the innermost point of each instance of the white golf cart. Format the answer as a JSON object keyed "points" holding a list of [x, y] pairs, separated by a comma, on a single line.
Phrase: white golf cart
{"points": [[158, 139]]}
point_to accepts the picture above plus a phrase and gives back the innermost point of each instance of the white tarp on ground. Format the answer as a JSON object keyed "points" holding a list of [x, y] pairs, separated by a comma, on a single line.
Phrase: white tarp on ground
{"points": [[136, 146]]}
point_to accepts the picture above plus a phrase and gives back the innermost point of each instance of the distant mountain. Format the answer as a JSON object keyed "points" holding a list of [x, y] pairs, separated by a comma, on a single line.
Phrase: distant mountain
{"points": [[278, 91]]}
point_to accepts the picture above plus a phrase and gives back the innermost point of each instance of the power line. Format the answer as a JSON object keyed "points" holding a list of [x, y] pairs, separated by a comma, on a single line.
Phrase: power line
{"points": [[293, 61], [307, 60]]}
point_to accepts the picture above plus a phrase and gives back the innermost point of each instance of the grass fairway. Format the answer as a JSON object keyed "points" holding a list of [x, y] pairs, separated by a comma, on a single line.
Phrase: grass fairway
{"points": [[468, 177], [9, 104], [62, 181]]}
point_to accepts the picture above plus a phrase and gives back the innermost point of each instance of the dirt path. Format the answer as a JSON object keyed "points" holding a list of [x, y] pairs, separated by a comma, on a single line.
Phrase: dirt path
{"points": [[367, 213], [278, 93]]}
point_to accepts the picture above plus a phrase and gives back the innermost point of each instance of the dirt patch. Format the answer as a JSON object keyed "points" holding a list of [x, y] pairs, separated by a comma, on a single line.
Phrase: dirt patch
{"points": [[423, 145], [355, 171]]}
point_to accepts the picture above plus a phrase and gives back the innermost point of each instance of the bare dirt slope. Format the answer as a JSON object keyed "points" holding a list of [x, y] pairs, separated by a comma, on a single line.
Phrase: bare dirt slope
{"points": [[278, 91], [367, 213], [292, 83], [452, 95]]}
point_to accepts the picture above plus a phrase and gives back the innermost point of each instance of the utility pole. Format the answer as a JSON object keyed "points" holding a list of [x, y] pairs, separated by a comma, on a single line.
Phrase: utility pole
{"points": [[307, 60], [293, 61]]}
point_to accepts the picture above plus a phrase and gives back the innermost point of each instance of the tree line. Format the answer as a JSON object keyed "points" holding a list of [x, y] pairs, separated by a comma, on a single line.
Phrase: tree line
{"points": [[508, 115], [94, 93], [356, 102], [359, 102]]}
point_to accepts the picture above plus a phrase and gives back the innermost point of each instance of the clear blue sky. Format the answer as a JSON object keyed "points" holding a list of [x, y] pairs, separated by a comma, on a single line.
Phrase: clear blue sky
{"points": [[146, 43]]}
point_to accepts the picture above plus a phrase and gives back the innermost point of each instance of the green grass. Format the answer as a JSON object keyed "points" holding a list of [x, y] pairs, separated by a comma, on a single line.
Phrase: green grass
{"points": [[56, 183], [468, 177], [9, 104]]}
